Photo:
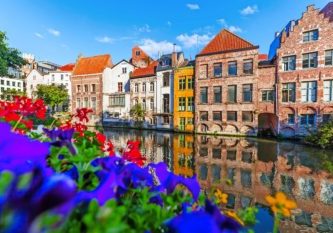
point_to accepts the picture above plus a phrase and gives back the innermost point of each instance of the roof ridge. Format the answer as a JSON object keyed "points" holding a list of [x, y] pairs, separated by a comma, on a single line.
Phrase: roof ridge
{"points": [[238, 36]]}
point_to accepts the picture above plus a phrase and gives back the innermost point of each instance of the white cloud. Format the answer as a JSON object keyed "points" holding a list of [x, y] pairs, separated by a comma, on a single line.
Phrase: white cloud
{"points": [[189, 41], [39, 35], [235, 29], [54, 32], [169, 23], [231, 28], [193, 6], [153, 48], [144, 28], [105, 39], [249, 10]]}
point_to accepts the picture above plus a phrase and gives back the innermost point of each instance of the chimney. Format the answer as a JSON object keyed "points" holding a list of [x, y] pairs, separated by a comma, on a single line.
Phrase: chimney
{"points": [[277, 34], [310, 7], [174, 56]]}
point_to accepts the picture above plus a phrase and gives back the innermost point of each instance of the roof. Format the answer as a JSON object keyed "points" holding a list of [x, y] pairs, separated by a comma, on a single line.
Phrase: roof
{"points": [[150, 70], [92, 65], [263, 57], [328, 11], [68, 67], [165, 61], [226, 41], [123, 60]]}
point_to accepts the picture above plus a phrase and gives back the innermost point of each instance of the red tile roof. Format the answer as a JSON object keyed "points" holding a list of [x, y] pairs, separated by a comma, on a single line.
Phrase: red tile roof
{"points": [[68, 67], [150, 70], [263, 57], [328, 11], [92, 65], [225, 41]]}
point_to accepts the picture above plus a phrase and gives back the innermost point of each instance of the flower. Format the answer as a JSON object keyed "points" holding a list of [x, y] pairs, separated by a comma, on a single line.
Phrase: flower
{"points": [[280, 204], [234, 215], [132, 153], [82, 113], [60, 138], [222, 198]]}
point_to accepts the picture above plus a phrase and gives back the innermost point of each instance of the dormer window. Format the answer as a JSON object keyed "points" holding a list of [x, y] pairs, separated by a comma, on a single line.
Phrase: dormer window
{"points": [[137, 53], [312, 35]]}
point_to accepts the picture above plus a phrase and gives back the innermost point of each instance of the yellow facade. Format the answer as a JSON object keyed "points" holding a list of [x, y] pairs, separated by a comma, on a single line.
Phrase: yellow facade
{"points": [[183, 152], [183, 118]]}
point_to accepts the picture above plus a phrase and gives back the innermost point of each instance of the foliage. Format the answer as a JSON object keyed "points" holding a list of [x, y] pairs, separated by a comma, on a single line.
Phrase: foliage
{"points": [[9, 57], [323, 137], [53, 95], [137, 112], [9, 94]]}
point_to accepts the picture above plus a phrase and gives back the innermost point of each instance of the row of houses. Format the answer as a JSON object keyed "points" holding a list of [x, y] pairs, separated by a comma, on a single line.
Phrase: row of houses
{"points": [[229, 88]]}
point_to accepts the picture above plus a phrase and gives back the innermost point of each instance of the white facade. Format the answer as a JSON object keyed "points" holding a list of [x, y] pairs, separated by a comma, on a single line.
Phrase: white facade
{"points": [[116, 92], [35, 78], [7, 83]]}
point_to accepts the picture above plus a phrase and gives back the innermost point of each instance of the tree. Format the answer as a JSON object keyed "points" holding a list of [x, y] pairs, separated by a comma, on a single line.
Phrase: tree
{"points": [[9, 57], [53, 95], [323, 137], [137, 112], [10, 93]]}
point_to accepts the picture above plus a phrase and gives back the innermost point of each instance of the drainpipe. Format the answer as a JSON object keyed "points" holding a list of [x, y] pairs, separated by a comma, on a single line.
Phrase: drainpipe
{"points": [[277, 95]]}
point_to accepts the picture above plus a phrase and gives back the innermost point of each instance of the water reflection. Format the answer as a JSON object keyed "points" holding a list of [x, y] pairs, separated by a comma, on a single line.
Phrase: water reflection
{"points": [[248, 170]]}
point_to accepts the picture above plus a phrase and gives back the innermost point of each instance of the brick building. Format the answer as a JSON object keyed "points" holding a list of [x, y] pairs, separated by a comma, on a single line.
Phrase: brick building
{"points": [[87, 84], [140, 58], [226, 86], [304, 55]]}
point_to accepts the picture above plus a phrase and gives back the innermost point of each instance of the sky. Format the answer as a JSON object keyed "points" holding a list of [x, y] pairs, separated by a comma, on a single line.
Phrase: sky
{"points": [[60, 30]]}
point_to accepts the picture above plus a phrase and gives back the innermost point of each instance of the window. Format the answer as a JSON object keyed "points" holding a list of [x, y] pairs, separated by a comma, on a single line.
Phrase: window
{"points": [[78, 103], [310, 60], [247, 116], [93, 87], [289, 63], [217, 70], [93, 103], [86, 89], [247, 93], [267, 95], [182, 122], [190, 120], [182, 83], [13, 84], [124, 70], [143, 87], [232, 68], [328, 90], [136, 87], [151, 104], [190, 104], [34, 77], [117, 101], [166, 120], [307, 119], [62, 77], [151, 87], [231, 116], [203, 95], [166, 101], [190, 83], [310, 35], [248, 66], [204, 116], [3, 82], [137, 53], [8, 83], [182, 104], [217, 116], [232, 94], [291, 119], [329, 57], [19, 84], [120, 87], [288, 92], [166, 79], [144, 104], [86, 102], [203, 71], [78, 87], [218, 94], [327, 118], [309, 91]]}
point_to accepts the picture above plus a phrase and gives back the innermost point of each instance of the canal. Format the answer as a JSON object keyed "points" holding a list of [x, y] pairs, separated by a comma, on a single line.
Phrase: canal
{"points": [[248, 169]]}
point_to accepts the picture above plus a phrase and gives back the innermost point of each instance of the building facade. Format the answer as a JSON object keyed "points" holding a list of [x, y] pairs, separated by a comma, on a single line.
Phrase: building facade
{"points": [[226, 86], [183, 113], [140, 58], [116, 93], [304, 57], [143, 92], [7, 83], [87, 84]]}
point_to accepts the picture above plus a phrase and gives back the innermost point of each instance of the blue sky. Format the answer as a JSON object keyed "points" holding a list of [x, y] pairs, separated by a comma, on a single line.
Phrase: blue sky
{"points": [[60, 30]]}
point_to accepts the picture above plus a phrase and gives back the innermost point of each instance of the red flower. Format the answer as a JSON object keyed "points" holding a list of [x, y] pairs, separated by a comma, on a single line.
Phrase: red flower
{"points": [[80, 128], [82, 113], [12, 116], [28, 123], [101, 138], [133, 154]]}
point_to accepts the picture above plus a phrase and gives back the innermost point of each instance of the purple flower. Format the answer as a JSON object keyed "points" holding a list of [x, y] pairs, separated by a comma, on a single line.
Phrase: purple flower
{"points": [[18, 153], [43, 193], [60, 138]]}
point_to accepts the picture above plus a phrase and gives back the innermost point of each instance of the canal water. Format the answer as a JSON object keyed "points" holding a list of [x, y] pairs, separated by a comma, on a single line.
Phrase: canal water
{"points": [[248, 169]]}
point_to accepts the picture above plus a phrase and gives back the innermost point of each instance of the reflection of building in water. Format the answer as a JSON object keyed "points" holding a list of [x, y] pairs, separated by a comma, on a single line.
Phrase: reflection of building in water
{"points": [[183, 154], [238, 163]]}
